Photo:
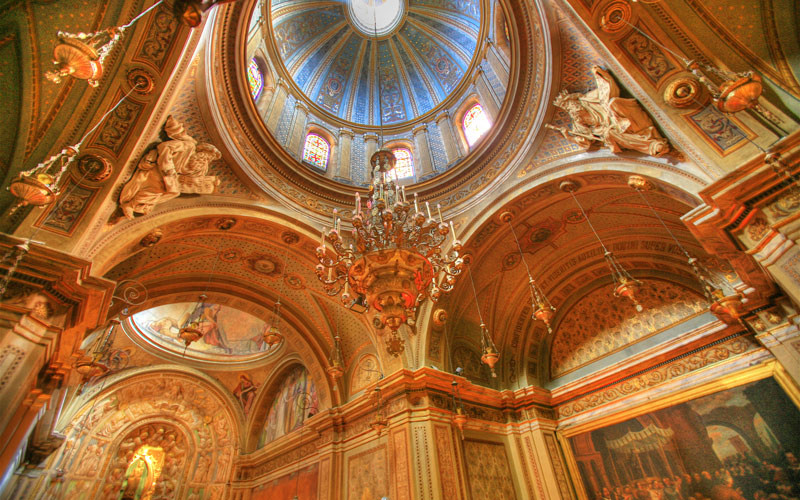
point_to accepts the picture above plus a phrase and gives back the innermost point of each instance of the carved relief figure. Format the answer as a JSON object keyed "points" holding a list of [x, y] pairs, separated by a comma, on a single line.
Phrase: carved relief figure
{"points": [[601, 116], [177, 166]]}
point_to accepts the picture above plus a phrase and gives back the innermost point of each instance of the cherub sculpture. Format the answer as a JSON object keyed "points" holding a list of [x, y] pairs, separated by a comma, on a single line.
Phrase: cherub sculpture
{"points": [[601, 116], [177, 166]]}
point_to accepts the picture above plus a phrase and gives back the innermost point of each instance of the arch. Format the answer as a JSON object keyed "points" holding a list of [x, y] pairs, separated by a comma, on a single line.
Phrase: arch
{"points": [[191, 403]]}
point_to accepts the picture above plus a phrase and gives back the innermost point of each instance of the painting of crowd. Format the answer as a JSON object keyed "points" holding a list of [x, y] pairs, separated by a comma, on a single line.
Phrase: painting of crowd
{"points": [[738, 444]]}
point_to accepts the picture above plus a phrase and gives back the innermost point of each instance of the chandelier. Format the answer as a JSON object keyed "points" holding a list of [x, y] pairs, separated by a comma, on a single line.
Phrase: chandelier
{"points": [[394, 259]]}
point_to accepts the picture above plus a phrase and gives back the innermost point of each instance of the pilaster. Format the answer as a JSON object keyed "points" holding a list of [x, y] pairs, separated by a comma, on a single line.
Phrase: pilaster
{"points": [[451, 146], [345, 152], [425, 161]]}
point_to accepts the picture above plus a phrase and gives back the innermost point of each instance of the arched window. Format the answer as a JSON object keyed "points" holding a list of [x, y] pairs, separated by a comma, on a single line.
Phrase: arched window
{"points": [[316, 151], [405, 163], [476, 123], [255, 79]]}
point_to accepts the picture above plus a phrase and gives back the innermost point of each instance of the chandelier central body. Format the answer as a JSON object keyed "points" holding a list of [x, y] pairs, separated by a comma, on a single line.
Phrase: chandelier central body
{"points": [[392, 260]]}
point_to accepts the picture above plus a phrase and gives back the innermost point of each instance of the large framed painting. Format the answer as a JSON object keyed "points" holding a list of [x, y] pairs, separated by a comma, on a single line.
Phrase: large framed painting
{"points": [[741, 443]]}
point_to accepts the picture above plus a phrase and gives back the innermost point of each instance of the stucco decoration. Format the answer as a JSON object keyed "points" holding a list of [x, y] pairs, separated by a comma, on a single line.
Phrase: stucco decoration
{"points": [[192, 421], [599, 324], [601, 116], [176, 166]]}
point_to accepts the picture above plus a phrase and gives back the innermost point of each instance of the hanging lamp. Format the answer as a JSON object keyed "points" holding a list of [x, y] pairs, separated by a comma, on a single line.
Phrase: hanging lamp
{"points": [[379, 422], [489, 354], [396, 259], [459, 417], [725, 305], [81, 55], [40, 185], [543, 310], [272, 336], [336, 360], [625, 285]]}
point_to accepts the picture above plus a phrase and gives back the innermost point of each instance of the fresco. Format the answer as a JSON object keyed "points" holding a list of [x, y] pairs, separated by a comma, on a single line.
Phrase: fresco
{"points": [[738, 444], [294, 400], [299, 484], [228, 331]]}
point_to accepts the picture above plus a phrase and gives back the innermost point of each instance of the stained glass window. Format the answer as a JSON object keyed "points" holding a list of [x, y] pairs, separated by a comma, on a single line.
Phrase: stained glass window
{"points": [[476, 123], [255, 79], [316, 151], [405, 163]]}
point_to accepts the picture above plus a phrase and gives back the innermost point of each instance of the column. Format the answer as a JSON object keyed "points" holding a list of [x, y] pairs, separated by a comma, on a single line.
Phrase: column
{"points": [[297, 133], [424, 159], [544, 462], [345, 152], [276, 106], [489, 99], [371, 141], [452, 147], [265, 100], [497, 64], [38, 334]]}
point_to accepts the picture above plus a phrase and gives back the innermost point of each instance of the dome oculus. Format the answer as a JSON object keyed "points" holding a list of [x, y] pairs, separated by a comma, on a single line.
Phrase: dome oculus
{"points": [[375, 17]]}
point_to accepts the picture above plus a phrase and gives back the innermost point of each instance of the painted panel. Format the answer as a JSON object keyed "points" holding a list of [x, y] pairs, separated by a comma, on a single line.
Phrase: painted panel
{"points": [[740, 444], [299, 484], [488, 470], [367, 475]]}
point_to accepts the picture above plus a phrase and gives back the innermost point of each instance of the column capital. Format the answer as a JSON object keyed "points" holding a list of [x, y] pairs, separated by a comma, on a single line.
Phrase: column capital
{"points": [[419, 129], [444, 115], [300, 106], [346, 132], [371, 137]]}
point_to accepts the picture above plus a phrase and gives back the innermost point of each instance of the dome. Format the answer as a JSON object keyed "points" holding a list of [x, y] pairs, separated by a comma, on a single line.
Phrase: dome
{"points": [[424, 50]]}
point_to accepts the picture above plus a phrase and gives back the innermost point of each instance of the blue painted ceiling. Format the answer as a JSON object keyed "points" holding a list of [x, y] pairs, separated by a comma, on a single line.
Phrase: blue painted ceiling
{"points": [[341, 70]]}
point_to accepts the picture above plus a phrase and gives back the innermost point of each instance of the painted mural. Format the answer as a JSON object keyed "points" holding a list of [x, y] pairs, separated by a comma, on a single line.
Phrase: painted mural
{"points": [[295, 400], [738, 444], [227, 331], [599, 325], [298, 484], [368, 475], [488, 471]]}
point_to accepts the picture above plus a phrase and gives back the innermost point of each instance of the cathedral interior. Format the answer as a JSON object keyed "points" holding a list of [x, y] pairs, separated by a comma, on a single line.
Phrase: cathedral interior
{"points": [[400, 249]]}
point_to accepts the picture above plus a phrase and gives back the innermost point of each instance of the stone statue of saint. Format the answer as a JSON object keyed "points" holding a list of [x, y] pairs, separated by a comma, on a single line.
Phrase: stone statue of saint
{"points": [[177, 166], [602, 116]]}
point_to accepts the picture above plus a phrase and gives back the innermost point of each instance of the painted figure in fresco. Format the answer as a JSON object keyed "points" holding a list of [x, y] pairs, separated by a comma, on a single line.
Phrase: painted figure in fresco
{"points": [[601, 116], [245, 392], [296, 398], [205, 315], [177, 166]]}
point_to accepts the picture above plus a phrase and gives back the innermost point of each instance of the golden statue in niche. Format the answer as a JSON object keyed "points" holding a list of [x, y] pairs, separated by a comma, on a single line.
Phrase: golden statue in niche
{"points": [[142, 474], [177, 166], [602, 116]]}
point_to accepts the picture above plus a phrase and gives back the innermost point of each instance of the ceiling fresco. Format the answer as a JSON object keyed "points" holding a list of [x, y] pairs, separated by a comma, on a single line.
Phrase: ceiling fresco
{"points": [[424, 49], [227, 332]]}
